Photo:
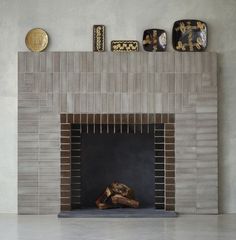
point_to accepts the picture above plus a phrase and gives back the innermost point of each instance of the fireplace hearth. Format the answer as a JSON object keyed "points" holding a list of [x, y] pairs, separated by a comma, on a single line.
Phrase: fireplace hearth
{"points": [[118, 213]]}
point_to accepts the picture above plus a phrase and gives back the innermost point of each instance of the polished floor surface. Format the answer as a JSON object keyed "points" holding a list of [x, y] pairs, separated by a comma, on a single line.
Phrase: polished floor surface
{"points": [[185, 227]]}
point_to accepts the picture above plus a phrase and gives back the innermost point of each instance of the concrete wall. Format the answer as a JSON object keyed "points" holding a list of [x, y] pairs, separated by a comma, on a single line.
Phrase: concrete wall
{"points": [[69, 24]]}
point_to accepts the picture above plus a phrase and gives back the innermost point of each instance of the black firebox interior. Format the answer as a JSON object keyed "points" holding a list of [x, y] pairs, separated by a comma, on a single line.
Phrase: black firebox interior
{"points": [[123, 157]]}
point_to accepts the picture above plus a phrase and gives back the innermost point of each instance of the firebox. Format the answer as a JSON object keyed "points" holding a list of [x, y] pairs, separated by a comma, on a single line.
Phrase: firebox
{"points": [[136, 149], [116, 157]]}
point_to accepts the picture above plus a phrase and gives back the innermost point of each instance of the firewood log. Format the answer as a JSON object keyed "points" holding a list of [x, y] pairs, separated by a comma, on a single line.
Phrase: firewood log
{"points": [[118, 199], [122, 189], [102, 200], [117, 195]]}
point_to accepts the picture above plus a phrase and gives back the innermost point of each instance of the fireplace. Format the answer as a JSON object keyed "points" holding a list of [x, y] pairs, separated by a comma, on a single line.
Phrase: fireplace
{"points": [[170, 94], [143, 157]]}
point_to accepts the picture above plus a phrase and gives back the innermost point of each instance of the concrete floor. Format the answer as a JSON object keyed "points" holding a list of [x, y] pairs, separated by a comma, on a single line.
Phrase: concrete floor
{"points": [[202, 227]]}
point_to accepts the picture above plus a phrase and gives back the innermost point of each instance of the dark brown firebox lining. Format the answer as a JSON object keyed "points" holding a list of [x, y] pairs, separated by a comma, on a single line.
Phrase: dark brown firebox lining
{"points": [[164, 133]]}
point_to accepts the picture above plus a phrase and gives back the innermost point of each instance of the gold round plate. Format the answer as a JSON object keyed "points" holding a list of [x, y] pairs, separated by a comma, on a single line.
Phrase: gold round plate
{"points": [[36, 40]]}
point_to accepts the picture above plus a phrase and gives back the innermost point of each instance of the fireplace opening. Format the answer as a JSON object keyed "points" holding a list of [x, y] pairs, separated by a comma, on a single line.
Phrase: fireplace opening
{"points": [[137, 150], [120, 157]]}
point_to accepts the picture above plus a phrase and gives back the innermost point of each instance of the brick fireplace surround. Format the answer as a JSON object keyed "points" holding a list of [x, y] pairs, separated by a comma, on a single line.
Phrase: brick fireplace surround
{"points": [[164, 154], [56, 89]]}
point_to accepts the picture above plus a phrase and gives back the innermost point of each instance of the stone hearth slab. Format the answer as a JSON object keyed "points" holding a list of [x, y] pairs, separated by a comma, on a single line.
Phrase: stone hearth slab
{"points": [[117, 213]]}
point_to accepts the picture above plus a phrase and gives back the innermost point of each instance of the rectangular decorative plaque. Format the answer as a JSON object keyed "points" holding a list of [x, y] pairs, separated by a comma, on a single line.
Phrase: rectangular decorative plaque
{"points": [[98, 38], [124, 46]]}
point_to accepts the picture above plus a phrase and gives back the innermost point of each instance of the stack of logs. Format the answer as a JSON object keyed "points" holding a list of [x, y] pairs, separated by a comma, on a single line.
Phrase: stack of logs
{"points": [[117, 195]]}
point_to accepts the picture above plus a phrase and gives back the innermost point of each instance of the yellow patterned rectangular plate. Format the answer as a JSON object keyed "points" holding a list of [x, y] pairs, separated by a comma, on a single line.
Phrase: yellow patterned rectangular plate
{"points": [[98, 38], [124, 46]]}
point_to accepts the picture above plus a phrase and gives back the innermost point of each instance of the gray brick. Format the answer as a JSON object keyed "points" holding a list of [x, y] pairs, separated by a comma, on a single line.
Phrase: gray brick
{"points": [[49, 210], [43, 62], [97, 82], [83, 83], [151, 65], [90, 82], [49, 62], [159, 62], [70, 102], [29, 62], [169, 62], [116, 62], [117, 100], [124, 62], [56, 62], [90, 62], [73, 82], [178, 62], [97, 62], [21, 62], [71, 62], [28, 210], [36, 59], [63, 62]]}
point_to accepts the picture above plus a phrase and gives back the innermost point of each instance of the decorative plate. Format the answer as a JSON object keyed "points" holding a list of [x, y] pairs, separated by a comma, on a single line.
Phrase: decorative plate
{"points": [[154, 40], [189, 36], [36, 40], [98, 38], [124, 46]]}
